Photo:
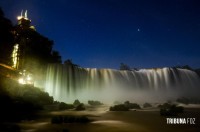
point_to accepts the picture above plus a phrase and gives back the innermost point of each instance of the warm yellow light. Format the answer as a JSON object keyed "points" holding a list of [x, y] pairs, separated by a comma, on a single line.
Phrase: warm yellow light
{"points": [[21, 81], [28, 78], [15, 56], [19, 17]]}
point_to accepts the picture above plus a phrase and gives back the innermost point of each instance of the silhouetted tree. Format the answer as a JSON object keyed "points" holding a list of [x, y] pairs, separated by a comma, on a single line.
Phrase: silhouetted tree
{"points": [[184, 67], [56, 58], [70, 63], [124, 67], [76, 102], [146, 105]]}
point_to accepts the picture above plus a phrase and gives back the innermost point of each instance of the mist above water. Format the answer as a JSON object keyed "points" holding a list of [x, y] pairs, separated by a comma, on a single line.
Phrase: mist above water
{"points": [[67, 83]]}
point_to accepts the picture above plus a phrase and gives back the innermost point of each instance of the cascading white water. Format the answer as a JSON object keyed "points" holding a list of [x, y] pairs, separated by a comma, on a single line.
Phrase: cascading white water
{"points": [[67, 83]]}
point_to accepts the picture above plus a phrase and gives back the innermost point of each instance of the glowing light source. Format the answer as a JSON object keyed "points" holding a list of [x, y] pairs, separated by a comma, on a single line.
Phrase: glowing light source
{"points": [[29, 78], [24, 17], [15, 56], [26, 78], [19, 17], [21, 81]]}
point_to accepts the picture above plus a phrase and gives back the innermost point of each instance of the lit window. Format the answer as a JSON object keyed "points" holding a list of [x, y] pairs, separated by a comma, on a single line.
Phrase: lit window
{"points": [[15, 55]]}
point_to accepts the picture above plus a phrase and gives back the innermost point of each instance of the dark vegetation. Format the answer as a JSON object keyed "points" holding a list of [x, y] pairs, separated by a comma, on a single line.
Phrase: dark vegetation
{"points": [[184, 67], [147, 105], [69, 119], [94, 103], [132, 105], [20, 102], [124, 67], [64, 106], [76, 106], [125, 107], [119, 107], [70, 63], [76, 103], [9, 128], [189, 68], [170, 109], [80, 107]]}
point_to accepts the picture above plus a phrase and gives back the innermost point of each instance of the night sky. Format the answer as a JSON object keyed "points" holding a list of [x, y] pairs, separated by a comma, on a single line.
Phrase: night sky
{"points": [[104, 33]]}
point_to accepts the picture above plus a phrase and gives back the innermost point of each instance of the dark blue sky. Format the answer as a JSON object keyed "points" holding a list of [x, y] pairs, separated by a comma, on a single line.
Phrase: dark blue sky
{"points": [[104, 33]]}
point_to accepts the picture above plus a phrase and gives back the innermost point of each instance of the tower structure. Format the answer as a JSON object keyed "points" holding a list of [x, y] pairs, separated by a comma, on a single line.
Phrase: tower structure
{"points": [[32, 51], [21, 40], [23, 19]]}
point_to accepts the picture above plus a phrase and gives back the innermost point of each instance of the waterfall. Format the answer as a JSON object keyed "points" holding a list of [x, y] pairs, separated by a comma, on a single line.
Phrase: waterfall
{"points": [[67, 83]]}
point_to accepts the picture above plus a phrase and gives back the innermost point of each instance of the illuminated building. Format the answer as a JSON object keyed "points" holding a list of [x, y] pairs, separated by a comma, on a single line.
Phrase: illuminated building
{"points": [[21, 40], [19, 52], [32, 51]]}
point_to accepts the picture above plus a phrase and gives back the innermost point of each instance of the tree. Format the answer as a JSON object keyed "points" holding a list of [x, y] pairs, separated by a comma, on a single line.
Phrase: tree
{"points": [[70, 63], [184, 67], [124, 67], [56, 58]]}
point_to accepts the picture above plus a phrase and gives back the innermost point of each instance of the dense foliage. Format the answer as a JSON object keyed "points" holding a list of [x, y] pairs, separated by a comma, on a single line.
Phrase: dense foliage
{"points": [[120, 107], [147, 105], [80, 107], [94, 103], [19, 102], [125, 107], [124, 67], [64, 106], [76, 102], [132, 105], [69, 119], [170, 109]]}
